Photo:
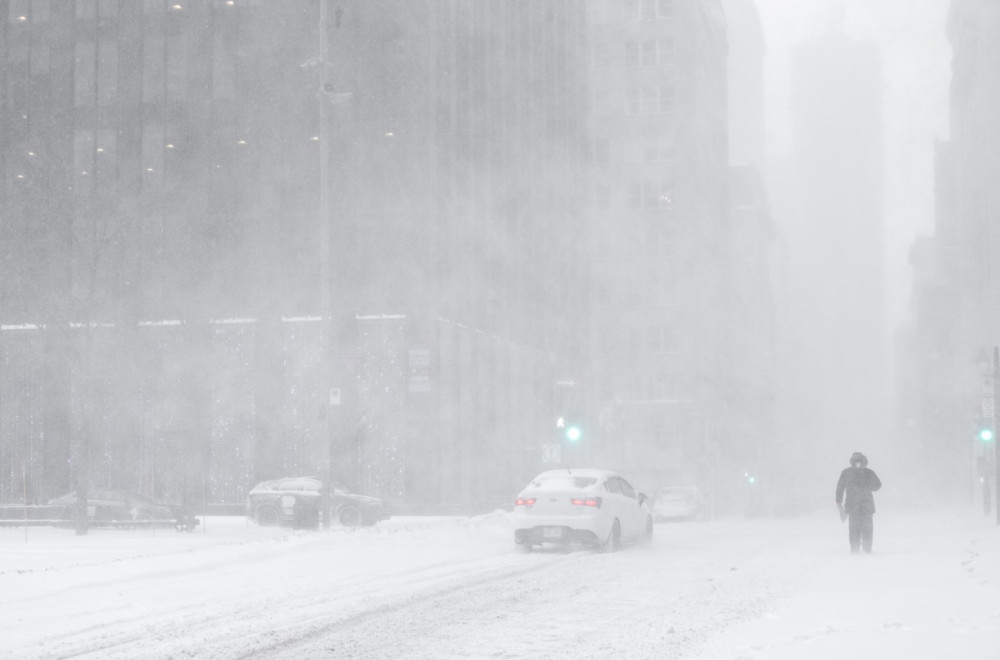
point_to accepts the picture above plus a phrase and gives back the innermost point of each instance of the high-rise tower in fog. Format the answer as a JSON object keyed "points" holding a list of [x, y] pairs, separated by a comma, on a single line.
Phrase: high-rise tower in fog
{"points": [[956, 300], [833, 221]]}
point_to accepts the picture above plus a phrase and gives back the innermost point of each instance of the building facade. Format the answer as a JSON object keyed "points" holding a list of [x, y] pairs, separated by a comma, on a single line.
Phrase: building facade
{"points": [[954, 327], [837, 380], [663, 349], [164, 231]]}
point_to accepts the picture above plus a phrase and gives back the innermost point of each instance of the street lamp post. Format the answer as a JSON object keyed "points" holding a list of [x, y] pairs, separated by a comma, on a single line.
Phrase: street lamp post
{"points": [[996, 462], [324, 255], [987, 430], [989, 469]]}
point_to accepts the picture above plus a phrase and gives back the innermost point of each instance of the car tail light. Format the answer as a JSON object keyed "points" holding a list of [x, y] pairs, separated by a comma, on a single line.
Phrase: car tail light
{"points": [[525, 501], [587, 501]]}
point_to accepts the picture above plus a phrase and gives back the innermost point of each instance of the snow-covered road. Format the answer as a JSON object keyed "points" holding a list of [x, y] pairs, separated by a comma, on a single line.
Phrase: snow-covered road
{"points": [[455, 588]]}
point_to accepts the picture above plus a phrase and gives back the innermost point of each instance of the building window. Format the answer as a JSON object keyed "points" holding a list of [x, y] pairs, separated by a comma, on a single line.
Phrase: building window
{"points": [[600, 55], [658, 8], [153, 69], [106, 158], [601, 196], [649, 100], [107, 72], [631, 54], [660, 338], [39, 59], [83, 163], [86, 9], [85, 63], [602, 151], [646, 151], [665, 100], [26, 11], [152, 158], [18, 11], [650, 195], [107, 8], [648, 10], [176, 68], [223, 67], [664, 51], [648, 53], [602, 104]]}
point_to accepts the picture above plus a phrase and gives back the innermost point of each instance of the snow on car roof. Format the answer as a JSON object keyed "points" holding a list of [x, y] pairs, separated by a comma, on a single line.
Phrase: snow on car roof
{"points": [[578, 472]]}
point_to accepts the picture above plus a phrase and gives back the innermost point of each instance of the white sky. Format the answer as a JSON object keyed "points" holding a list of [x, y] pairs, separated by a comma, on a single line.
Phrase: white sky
{"points": [[916, 60]]}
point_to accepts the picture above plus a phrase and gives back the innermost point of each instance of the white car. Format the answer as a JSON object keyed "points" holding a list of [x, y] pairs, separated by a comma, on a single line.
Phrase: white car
{"points": [[679, 503], [596, 508]]}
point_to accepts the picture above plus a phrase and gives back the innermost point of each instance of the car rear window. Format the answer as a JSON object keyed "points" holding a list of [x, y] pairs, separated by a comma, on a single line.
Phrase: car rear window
{"points": [[564, 481]]}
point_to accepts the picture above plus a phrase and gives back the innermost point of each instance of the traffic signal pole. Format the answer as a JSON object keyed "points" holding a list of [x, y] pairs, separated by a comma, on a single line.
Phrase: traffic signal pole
{"points": [[996, 456], [326, 325]]}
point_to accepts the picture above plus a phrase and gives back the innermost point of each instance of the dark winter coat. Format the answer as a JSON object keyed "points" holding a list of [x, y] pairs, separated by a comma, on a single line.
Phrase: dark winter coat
{"points": [[858, 483]]}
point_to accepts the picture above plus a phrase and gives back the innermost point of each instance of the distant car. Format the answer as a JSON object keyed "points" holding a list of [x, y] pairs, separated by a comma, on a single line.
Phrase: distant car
{"points": [[273, 503], [679, 503], [589, 507], [118, 508]]}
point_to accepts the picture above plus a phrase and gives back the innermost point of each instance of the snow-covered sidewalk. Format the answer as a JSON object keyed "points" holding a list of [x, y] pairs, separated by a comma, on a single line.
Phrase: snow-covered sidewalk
{"points": [[930, 590]]}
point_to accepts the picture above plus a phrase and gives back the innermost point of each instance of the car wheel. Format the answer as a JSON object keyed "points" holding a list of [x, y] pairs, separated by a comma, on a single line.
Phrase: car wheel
{"points": [[268, 517], [349, 516]]}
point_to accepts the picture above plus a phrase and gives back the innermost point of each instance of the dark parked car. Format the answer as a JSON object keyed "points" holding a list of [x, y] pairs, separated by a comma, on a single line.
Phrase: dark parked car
{"points": [[118, 508], [280, 501]]}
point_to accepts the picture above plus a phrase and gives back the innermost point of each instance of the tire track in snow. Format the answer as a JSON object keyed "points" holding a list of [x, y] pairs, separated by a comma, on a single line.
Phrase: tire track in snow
{"points": [[226, 629]]}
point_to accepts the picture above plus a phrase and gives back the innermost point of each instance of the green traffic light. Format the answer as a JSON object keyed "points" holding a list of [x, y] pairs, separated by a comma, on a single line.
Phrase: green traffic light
{"points": [[986, 435], [573, 433]]}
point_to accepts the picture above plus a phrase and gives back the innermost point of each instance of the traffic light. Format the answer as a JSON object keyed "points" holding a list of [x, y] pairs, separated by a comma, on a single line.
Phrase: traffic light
{"points": [[570, 432], [573, 433], [986, 434]]}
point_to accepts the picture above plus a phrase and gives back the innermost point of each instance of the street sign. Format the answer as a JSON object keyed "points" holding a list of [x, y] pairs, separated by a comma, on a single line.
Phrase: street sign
{"points": [[551, 453], [988, 407]]}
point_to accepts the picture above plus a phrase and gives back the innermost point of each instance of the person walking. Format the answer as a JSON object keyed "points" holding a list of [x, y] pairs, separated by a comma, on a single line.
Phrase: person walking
{"points": [[854, 497]]}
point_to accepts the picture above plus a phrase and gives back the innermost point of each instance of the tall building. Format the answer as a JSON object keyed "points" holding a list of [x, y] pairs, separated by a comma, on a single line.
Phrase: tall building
{"points": [[756, 341], [832, 217], [164, 242], [955, 325], [663, 229]]}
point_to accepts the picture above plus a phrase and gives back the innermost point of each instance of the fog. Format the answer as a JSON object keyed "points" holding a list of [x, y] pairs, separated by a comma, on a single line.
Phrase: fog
{"points": [[406, 248], [422, 251]]}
